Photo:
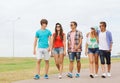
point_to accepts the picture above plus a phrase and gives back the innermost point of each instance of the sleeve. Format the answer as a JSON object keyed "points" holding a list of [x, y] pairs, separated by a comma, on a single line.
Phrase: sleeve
{"points": [[37, 35], [67, 36], [81, 35], [50, 34], [110, 35]]}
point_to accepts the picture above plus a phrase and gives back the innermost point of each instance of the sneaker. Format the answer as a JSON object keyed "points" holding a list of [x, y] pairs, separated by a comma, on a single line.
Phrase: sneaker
{"points": [[103, 75], [109, 74], [91, 76], [46, 76], [36, 77], [69, 75], [77, 75], [96, 75], [60, 77]]}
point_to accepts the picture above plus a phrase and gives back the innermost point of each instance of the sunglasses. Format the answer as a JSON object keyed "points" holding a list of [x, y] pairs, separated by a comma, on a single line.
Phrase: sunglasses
{"points": [[101, 25], [58, 26], [71, 25]]}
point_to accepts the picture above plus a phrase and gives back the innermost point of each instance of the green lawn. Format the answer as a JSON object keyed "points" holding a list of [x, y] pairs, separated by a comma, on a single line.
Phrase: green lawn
{"points": [[13, 69]]}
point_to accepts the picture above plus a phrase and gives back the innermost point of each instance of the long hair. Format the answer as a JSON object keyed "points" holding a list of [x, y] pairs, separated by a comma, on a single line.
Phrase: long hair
{"points": [[94, 34], [56, 32]]}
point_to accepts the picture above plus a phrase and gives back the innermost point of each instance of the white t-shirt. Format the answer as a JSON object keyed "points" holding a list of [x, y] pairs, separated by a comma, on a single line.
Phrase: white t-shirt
{"points": [[103, 41]]}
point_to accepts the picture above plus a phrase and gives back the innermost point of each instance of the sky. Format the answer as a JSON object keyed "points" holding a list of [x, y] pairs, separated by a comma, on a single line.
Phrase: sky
{"points": [[86, 13]]}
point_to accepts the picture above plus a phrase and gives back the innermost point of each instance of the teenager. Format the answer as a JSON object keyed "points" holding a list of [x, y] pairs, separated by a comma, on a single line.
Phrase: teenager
{"points": [[59, 47], [43, 37], [105, 46], [74, 48], [92, 50]]}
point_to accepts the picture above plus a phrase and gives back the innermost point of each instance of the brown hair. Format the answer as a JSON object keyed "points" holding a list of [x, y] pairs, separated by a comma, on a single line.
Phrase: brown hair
{"points": [[94, 34], [56, 32], [75, 23], [104, 23], [43, 21]]}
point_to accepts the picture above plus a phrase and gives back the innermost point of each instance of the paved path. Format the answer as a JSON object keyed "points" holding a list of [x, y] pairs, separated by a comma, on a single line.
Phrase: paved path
{"points": [[83, 79]]}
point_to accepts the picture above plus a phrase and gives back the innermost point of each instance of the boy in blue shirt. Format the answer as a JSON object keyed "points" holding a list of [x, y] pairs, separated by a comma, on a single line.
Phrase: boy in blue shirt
{"points": [[43, 39]]}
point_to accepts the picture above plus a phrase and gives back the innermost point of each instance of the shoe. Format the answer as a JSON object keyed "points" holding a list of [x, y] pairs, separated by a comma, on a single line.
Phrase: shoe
{"points": [[96, 75], [109, 74], [77, 75], [103, 75], [69, 75], [60, 77], [36, 77], [46, 76], [91, 76]]}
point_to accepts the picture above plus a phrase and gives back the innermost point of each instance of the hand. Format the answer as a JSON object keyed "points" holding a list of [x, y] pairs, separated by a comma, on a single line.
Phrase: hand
{"points": [[110, 50], [48, 49], [34, 52], [76, 47], [86, 53], [64, 53]]}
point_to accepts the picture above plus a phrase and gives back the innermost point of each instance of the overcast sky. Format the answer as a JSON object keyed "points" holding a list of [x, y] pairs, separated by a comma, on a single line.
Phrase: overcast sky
{"points": [[86, 12]]}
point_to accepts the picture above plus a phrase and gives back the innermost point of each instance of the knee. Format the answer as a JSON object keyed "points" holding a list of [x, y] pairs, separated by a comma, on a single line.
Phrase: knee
{"points": [[47, 62], [38, 62], [96, 63], [71, 62], [91, 62]]}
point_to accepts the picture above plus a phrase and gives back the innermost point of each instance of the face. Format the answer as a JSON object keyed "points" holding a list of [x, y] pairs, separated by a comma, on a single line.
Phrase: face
{"points": [[72, 25], [44, 25], [58, 27], [92, 29], [102, 27]]}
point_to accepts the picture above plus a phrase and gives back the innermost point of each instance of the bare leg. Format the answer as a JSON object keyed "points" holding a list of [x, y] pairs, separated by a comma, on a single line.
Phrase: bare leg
{"points": [[56, 57], [96, 63], [109, 67], [61, 58], [91, 62], [38, 66], [78, 66], [71, 66], [46, 66]]}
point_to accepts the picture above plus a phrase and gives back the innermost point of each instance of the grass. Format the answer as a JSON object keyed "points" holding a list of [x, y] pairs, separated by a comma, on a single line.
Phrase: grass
{"points": [[13, 69]]}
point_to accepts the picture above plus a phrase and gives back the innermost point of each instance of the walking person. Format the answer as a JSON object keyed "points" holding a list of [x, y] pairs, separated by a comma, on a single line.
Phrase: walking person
{"points": [[92, 50], [59, 47], [105, 46], [74, 38], [43, 37]]}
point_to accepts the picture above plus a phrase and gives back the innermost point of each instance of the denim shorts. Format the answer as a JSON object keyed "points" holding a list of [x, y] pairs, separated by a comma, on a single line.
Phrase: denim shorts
{"points": [[105, 56], [73, 55], [57, 51], [93, 50]]}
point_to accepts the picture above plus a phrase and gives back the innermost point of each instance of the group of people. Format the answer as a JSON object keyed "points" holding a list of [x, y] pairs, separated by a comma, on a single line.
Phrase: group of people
{"points": [[98, 43]]}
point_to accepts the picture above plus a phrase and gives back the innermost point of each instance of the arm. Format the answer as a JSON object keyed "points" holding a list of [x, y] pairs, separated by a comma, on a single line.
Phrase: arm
{"points": [[50, 46], [80, 41], [86, 49], [35, 44], [64, 43], [111, 41]]}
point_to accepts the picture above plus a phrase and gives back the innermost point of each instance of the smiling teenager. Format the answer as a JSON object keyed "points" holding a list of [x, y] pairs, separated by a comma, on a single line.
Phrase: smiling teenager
{"points": [[59, 47], [74, 38], [42, 37]]}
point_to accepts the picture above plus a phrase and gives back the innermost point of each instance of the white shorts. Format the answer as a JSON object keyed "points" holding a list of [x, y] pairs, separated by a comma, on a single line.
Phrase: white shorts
{"points": [[43, 54]]}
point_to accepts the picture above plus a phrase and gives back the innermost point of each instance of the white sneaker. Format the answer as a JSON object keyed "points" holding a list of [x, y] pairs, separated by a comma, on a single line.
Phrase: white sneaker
{"points": [[103, 75], [60, 77], [109, 74], [96, 75]]}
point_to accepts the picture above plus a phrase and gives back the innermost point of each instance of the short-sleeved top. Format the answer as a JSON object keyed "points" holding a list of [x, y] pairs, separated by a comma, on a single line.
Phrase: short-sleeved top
{"points": [[92, 42], [58, 42], [76, 37], [43, 38]]}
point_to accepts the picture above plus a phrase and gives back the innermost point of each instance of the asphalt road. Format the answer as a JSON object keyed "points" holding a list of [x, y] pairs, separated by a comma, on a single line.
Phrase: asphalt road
{"points": [[83, 79]]}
